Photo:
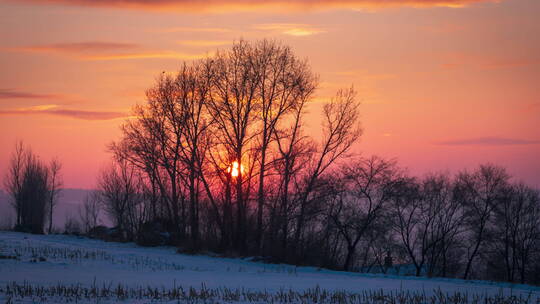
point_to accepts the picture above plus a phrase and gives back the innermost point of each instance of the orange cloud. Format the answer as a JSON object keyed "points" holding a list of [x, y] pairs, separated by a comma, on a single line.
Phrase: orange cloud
{"points": [[510, 63], [54, 110], [204, 43], [290, 29], [444, 28], [365, 75], [146, 55], [496, 64], [80, 47], [105, 51], [192, 29], [489, 141], [228, 6], [457, 60], [15, 94]]}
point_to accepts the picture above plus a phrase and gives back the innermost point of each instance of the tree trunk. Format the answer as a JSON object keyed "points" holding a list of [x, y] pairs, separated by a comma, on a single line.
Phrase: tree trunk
{"points": [[260, 202], [51, 214], [349, 257], [193, 212], [471, 258], [240, 236]]}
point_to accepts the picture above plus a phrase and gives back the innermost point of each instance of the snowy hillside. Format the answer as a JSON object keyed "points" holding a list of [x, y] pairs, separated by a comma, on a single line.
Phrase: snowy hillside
{"points": [[56, 260]]}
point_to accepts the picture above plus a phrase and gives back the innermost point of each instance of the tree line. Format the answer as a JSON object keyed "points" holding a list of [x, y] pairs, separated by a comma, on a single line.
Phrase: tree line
{"points": [[219, 158]]}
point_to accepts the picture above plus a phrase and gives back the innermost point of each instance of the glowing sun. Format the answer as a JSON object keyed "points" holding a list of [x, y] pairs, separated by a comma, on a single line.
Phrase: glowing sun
{"points": [[235, 169]]}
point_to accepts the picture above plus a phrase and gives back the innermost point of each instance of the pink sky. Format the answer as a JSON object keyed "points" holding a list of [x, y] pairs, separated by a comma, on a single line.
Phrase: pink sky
{"points": [[444, 84]]}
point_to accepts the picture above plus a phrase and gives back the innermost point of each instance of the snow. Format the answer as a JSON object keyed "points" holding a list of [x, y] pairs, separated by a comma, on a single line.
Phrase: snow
{"points": [[77, 260]]}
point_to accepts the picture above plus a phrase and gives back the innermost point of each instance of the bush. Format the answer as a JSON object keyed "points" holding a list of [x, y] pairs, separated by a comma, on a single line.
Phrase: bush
{"points": [[23, 228], [106, 234], [153, 233], [98, 232], [72, 226]]}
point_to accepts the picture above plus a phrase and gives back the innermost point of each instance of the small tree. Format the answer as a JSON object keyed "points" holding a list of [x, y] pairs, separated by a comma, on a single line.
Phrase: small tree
{"points": [[14, 178], [27, 182], [89, 211], [479, 192], [516, 230], [362, 203], [55, 183], [120, 193]]}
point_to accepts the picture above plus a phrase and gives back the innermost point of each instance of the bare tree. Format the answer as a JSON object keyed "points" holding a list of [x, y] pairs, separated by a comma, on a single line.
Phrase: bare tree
{"points": [[341, 128], [363, 200], [55, 185], [119, 192], [412, 220], [27, 182], [446, 227], [479, 192], [234, 105], [285, 83], [89, 211], [168, 141], [516, 226], [34, 196], [194, 88], [427, 220], [294, 151], [15, 175], [221, 125]]}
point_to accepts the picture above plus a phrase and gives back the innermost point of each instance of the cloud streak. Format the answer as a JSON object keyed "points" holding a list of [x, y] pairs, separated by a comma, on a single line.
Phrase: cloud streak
{"points": [[204, 43], [145, 55], [80, 47], [231, 6], [488, 141], [97, 51], [16, 94], [191, 29], [55, 110], [290, 29], [458, 60]]}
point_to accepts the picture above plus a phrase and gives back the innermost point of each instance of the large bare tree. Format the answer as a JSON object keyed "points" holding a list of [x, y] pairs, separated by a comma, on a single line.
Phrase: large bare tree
{"points": [[220, 131]]}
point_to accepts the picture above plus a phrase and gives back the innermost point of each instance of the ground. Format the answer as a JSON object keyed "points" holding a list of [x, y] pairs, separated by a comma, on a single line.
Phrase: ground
{"points": [[124, 271]]}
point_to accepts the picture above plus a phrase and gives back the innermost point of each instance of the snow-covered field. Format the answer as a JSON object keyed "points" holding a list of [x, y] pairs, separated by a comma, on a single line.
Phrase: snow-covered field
{"points": [[56, 261]]}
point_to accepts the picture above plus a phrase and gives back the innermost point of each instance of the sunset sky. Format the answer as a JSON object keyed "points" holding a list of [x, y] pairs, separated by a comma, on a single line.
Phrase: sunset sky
{"points": [[444, 84]]}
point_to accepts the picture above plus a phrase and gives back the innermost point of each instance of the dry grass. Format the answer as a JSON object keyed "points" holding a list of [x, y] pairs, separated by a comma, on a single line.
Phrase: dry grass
{"points": [[16, 292]]}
